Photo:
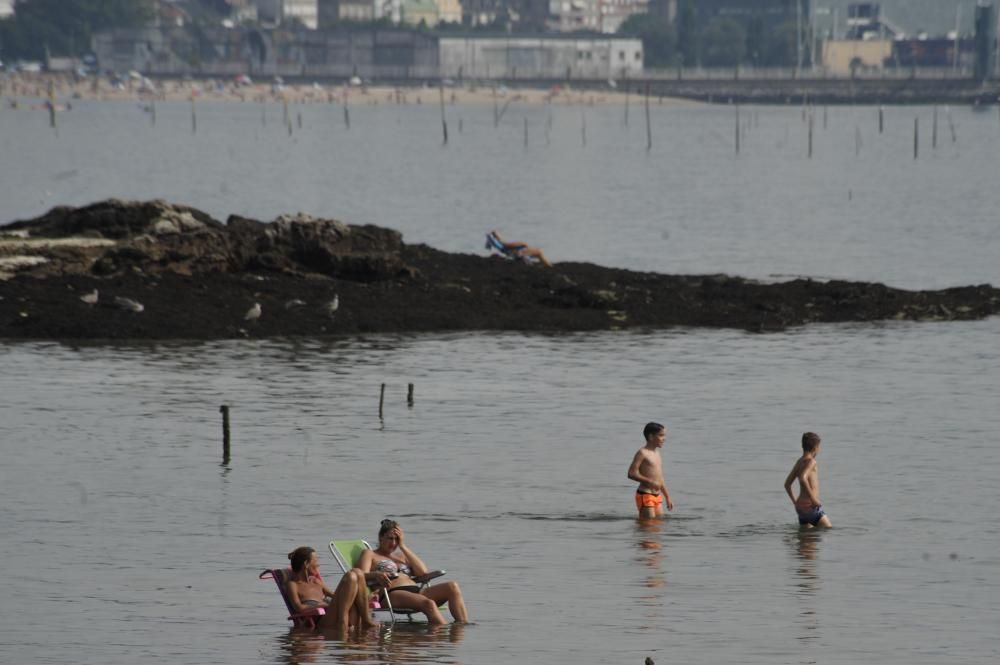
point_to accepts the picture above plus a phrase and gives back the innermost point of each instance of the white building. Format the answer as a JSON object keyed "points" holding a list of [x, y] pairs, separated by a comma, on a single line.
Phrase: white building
{"points": [[276, 12], [305, 11], [543, 57], [604, 16]]}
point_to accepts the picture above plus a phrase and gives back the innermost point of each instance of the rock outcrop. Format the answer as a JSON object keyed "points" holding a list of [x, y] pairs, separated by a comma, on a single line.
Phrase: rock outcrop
{"points": [[191, 276]]}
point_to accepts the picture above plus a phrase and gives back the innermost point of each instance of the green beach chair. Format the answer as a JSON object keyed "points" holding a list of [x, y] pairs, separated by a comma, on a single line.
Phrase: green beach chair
{"points": [[348, 553]]}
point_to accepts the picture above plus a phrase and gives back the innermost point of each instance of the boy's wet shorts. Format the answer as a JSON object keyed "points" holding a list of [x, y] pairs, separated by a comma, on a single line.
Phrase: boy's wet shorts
{"points": [[644, 500], [811, 516]]}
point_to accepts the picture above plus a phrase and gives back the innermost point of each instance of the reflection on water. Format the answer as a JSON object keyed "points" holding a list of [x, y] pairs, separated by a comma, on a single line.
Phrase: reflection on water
{"points": [[650, 555], [390, 643], [805, 545]]}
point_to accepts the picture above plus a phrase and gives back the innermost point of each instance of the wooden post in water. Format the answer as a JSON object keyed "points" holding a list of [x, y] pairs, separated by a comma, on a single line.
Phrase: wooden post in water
{"points": [[263, 113], [381, 400], [496, 111], [525, 131], [649, 128], [347, 114], [444, 123], [152, 111], [737, 129], [934, 129], [916, 137], [811, 121], [583, 127], [298, 116], [194, 118], [626, 100], [881, 118], [224, 410], [857, 140], [951, 125], [825, 109], [52, 104], [409, 395]]}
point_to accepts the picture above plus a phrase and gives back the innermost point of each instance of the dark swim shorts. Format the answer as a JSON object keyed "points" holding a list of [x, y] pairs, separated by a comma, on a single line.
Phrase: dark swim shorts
{"points": [[811, 516]]}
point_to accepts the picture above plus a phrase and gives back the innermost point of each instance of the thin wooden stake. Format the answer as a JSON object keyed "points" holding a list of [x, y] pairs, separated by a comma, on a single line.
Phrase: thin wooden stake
{"points": [[224, 410], [381, 400], [194, 118], [811, 120], [934, 130], [737, 129], [916, 138], [409, 395], [649, 129], [444, 123]]}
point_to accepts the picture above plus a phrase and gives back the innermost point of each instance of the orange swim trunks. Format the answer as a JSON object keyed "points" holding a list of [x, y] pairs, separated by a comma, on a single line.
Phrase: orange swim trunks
{"points": [[644, 500]]}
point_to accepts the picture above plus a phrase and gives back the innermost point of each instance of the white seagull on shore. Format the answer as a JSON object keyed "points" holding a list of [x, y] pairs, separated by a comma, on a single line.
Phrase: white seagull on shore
{"points": [[333, 305], [253, 313], [90, 298], [129, 305]]}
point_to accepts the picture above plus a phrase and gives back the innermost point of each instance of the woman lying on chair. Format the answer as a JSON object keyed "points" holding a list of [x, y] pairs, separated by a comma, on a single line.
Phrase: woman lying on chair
{"points": [[516, 248], [347, 606], [385, 568]]}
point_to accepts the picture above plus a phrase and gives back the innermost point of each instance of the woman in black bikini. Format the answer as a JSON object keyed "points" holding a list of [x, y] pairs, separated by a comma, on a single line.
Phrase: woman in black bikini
{"points": [[384, 567]]}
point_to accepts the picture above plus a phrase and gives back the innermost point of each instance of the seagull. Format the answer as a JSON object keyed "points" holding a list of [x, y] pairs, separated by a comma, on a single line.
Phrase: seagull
{"points": [[333, 305], [90, 298], [253, 313], [294, 302], [129, 305]]}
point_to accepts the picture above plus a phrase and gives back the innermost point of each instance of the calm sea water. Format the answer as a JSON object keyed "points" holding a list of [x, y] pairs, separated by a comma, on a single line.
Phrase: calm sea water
{"points": [[128, 542], [860, 208], [131, 542]]}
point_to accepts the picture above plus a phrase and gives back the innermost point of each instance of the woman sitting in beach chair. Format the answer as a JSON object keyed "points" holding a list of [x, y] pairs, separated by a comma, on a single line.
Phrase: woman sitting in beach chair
{"points": [[385, 567], [515, 250], [347, 606]]}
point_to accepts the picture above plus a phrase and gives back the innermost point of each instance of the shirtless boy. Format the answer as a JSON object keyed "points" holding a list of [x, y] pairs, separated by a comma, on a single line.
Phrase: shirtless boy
{"points": [[647, 470], [807, 505]]}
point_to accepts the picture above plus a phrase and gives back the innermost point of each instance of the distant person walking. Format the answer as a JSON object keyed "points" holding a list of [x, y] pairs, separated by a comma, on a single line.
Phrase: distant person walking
{"points": [[807, 505], [647, 470]]}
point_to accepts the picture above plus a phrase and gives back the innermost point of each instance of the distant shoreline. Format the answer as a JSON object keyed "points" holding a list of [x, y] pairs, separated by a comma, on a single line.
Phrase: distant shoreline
{"points": [[216, 90], [680, 91]]}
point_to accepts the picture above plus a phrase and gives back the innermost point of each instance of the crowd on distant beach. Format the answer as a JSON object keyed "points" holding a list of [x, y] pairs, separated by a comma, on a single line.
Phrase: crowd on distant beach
{"points": [[135, 86]]}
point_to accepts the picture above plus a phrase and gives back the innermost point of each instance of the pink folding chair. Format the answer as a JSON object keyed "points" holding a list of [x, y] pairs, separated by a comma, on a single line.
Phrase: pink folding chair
{"points": [[305, 619]]}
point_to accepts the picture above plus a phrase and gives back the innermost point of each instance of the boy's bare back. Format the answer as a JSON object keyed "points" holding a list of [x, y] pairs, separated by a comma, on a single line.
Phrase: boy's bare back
{"points": [[807, 504]]}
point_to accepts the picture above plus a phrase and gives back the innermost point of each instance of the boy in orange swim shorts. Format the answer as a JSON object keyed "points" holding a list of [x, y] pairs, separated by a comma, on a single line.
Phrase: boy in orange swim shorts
{"points": [[647, 470]]}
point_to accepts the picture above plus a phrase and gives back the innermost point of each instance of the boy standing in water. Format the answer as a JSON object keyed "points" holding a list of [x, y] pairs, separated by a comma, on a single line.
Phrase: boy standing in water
{"points": [[807, 505], [647, 470]]}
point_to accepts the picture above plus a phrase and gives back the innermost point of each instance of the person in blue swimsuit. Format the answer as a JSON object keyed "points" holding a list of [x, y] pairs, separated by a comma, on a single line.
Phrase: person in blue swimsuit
{"points": [[806, 471], [391, 565]]}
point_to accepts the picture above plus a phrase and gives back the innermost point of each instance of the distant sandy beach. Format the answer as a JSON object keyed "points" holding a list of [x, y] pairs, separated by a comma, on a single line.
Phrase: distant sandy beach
{"points": [[63, 89]]}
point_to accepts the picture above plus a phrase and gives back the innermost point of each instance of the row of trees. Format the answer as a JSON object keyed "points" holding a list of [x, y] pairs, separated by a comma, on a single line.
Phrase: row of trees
{"points": [[64, 27], [722, 42]]}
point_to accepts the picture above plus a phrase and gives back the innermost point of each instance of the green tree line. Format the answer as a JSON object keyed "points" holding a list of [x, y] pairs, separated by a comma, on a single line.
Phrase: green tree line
{"points": [[64, 27]]}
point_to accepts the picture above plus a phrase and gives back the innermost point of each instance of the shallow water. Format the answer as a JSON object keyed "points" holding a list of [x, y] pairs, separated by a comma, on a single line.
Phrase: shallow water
{"points": [[131, 542]]}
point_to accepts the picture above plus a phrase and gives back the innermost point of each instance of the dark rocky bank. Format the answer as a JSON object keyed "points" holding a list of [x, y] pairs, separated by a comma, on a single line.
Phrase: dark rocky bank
{"points": [[196, 278]]}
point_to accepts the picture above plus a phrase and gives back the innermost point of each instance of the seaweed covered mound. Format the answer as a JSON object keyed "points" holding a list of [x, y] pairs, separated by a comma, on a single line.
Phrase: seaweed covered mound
{"points": [[157, 270]]}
